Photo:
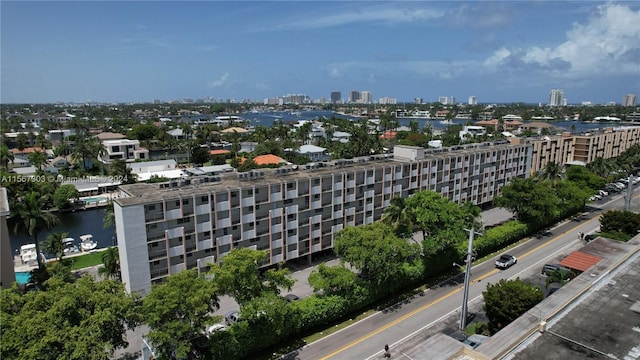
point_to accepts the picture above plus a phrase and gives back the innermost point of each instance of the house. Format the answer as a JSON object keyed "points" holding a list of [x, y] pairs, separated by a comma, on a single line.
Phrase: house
{"points": [[107, 135], [177, 134], [314, 153], [471, 131], [217, 152], [248, 146], [268, 159], [341, 136], [152, 166], [536, 127], [59, 162], [124, 149]]}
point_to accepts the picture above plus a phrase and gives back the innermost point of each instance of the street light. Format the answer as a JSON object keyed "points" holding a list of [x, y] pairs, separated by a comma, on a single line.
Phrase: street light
{"points": [[467, 278]]}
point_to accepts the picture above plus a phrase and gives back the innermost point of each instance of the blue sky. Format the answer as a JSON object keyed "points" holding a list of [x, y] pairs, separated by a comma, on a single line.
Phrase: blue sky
{"points": [[507, 51]]}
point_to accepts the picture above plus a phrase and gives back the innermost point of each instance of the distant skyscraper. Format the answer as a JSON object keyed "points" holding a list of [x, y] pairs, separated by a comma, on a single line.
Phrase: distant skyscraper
{"points": [[629, 100], [447, 100], [366, 97], [354, 96], [473, 100], [336, 97], [556, 97], [417, 101], [387, 101]]}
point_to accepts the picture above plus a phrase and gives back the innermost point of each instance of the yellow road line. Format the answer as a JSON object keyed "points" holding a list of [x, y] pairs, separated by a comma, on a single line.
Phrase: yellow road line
{"points": [[423, 307], [404, 317]]}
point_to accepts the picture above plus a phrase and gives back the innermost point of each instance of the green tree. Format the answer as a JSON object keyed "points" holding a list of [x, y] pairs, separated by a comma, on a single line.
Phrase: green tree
{"points": [[33, 218], [377, 253], [199, 155], [143, 132], [120, 170], [82, 320], [620, 221], [552, 172], [63, 194], [37, 159], [6, 156], [54, 244], [602, 167], [111, 264], [506, 300], [399, 217], [178, 312], [334, 280], [584, 178], [531, 202], [239, 275]]}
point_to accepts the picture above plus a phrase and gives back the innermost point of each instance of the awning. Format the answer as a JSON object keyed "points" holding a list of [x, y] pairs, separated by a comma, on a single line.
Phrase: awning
{"points": [[580, 261]]}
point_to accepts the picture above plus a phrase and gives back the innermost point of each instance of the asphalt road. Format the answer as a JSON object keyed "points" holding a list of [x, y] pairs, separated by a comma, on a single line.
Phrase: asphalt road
{"points": [[366, 339]]}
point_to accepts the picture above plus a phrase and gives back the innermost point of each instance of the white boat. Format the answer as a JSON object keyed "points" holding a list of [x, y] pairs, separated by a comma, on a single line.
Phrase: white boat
{"points": [[69, 246], [446, 122], [28, 254], [87, 243]]}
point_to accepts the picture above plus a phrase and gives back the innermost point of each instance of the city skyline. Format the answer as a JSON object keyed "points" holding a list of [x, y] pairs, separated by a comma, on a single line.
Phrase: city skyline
{"points": [[496, 51]]}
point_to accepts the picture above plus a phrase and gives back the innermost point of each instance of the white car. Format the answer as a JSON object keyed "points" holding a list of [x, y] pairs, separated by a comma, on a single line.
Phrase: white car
{"points": [[505, 261]]}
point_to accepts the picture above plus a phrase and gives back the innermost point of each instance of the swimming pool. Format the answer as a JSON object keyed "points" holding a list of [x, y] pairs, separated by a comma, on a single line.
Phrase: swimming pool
{"points": [[22, 277], [95, 199]]}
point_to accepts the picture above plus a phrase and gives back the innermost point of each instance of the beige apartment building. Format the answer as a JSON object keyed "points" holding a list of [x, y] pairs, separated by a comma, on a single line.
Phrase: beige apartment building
{"points": [[581, 149], [292, 212]]}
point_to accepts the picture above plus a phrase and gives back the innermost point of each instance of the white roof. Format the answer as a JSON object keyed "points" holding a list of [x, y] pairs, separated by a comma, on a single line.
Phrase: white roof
{"points": [[28, 246], [304, 149], [170, 174]]}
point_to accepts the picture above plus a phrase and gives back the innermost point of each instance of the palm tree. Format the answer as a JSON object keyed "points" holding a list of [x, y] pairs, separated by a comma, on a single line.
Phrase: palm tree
{"points": [[54, 244], [37, 159], [109, 218], [5, 156], [552, 172], [399, 217], [111, 261], [34, 218], [601, 167]]}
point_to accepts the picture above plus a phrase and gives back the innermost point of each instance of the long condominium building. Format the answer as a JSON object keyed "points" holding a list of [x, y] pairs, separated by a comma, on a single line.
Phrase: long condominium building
{"points": [[293, 213]]}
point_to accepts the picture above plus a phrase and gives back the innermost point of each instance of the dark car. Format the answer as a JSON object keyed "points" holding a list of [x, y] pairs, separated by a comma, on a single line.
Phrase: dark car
{"points": [[549, 268], [291, 297]]}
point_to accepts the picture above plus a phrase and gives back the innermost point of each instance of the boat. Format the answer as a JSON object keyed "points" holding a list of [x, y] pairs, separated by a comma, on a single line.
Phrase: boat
{"points": [[69, 246], [446, 122], [87, 243], [28, 254]]}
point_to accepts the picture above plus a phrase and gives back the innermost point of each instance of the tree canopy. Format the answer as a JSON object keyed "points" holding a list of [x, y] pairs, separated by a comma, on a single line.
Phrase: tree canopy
{"points": [[82, 320], [506, 300], [239, 275]]}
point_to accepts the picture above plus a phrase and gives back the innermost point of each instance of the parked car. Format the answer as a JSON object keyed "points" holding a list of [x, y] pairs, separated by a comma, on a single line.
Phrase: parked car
{"points": [[232, 317], [549, 268], [216, 327], [291, 297], [505, 261]]}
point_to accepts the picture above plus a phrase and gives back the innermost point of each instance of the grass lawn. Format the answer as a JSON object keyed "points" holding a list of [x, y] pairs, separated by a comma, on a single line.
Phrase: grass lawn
{"points": [[85, 260]]}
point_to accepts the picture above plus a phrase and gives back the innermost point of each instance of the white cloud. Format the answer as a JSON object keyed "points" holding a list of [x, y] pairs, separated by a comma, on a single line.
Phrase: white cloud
{"points": [[608, 43], [220, 82], [382, 13], [334, 72]]}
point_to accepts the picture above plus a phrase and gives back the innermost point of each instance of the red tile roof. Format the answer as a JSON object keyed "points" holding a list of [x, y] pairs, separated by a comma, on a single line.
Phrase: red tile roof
{"points": [[219, 152], [580, 261]]}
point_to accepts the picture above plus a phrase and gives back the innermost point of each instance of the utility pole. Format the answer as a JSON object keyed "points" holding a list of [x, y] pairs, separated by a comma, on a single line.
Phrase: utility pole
{"points": [[627, 197], [467, 278]]}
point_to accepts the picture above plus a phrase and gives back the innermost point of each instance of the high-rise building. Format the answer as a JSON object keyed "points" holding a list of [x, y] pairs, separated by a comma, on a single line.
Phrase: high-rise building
{"points": [[444, 100], [354, 96], [629, 100], [336, 97], [556, 97], [366, 97], [387, 101], [417, 101], [473, 100]]}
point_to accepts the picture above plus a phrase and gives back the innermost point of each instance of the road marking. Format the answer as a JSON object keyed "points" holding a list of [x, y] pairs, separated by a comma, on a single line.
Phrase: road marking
{"points": [[404, 317], [423, 307]]}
